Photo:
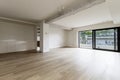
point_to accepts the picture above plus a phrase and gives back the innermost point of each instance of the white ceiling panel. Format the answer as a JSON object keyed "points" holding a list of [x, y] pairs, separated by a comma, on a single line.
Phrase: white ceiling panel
{"points": [[34, 10], [96, 14]]}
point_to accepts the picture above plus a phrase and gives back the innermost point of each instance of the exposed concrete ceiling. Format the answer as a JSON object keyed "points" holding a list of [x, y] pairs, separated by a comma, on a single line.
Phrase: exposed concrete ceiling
{"points": [[37, 10], [93, 15]]}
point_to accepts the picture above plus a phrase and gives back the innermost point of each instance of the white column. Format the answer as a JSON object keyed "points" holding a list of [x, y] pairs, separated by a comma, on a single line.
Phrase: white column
{"points": [[44, 37]]}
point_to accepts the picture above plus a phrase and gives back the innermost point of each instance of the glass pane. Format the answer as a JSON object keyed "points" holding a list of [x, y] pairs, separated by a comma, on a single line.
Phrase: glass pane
{"points": [[116, 39], [86, 39], [105, 39]]}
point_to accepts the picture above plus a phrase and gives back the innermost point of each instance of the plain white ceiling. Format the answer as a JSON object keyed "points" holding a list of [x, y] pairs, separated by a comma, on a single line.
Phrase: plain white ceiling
{"points": [[96, 14], [34, 10], [37, 10]]}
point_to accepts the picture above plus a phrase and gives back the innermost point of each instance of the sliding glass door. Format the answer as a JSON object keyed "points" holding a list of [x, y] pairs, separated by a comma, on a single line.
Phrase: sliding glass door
{"points": [[85, 39], [103, 39], [106, 39]]}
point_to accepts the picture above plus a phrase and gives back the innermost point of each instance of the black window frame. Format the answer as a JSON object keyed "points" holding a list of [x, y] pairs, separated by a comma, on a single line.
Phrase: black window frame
{"points": [[116, 38], [79, 38]]}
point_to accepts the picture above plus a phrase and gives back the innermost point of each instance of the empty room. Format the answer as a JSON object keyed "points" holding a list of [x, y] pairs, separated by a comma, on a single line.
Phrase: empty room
{"points": [[59, 40]]}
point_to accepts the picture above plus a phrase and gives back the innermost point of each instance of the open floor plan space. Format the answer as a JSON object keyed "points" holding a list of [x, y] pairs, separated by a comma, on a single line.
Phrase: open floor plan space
{"points": [[61, 64], [59, 39]]}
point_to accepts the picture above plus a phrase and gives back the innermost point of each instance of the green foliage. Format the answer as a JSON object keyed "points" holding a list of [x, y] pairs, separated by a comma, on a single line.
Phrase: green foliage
{"points": [[84, 34]]}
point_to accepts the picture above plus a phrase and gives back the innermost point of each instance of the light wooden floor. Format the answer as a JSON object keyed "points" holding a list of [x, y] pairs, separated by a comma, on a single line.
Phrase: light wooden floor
{"points": [[61, 64]]}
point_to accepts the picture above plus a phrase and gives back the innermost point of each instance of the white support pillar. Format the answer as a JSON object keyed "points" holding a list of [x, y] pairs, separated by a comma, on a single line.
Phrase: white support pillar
{"points": [[44, 37]]}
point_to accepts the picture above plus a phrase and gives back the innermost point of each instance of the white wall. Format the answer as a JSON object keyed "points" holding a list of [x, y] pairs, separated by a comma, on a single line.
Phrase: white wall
{"points": [[98, 26], [16, 37], [73, 35], [44, 37], [57, 36], [71, 38]]}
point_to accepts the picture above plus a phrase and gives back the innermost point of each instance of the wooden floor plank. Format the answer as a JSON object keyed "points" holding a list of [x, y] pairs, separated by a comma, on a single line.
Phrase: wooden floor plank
{"points": [[61, 64]]}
